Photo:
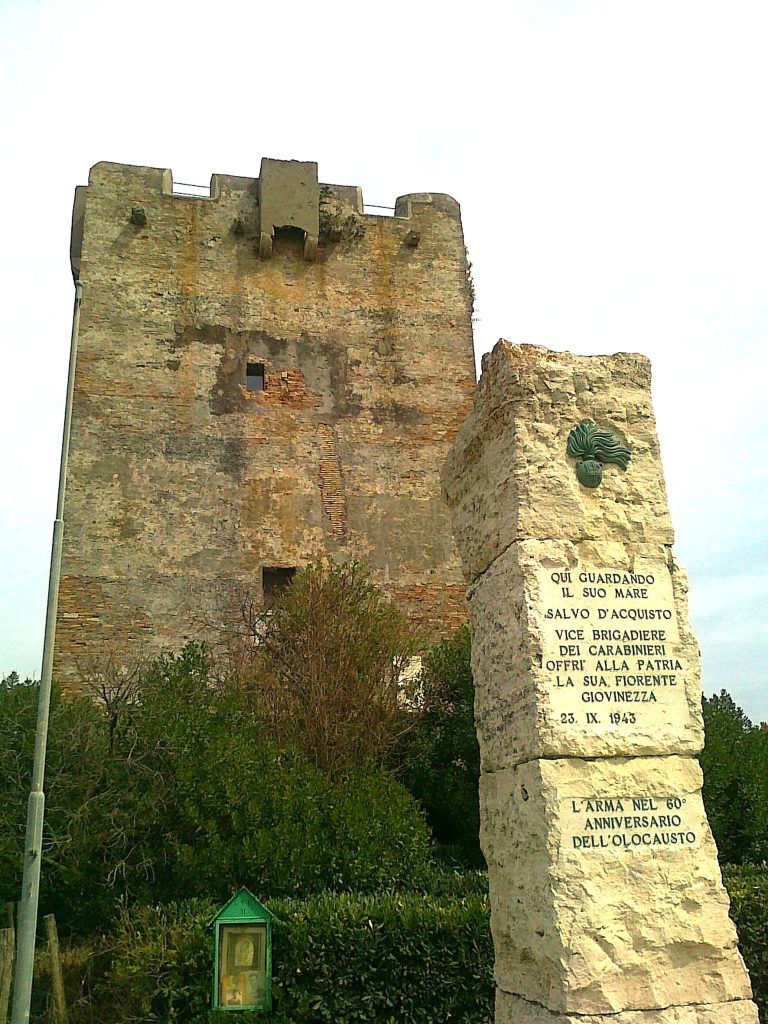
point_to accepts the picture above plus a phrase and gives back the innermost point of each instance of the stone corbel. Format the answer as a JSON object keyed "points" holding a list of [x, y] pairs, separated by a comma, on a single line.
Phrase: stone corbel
{"points": [[310, 247], [265, 246]]}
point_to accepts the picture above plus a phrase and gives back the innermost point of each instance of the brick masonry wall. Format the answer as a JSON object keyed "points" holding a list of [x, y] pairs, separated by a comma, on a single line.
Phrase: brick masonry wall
{"points": [[182, 481]]}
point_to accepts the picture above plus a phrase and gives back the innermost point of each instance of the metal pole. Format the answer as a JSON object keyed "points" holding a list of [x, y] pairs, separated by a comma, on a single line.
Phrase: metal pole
{"points": [[26, 925]]}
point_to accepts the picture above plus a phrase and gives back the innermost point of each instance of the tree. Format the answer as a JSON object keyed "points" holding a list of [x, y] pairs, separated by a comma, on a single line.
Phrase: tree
{"points": [[168, 787], [323, 667], [71, 795], [442, 754], [735, 766]]}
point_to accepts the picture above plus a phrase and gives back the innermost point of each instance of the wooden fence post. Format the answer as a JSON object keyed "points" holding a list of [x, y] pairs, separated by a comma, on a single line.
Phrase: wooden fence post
{"points": [[7, 942], [59, 1006]]}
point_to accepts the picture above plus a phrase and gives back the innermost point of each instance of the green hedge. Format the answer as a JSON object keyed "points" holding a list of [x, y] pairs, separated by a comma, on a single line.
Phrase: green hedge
{"points": [[747, 886], [409, 959], [388, 958]]}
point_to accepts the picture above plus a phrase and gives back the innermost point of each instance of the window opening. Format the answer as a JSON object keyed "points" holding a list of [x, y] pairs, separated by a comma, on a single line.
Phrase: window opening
{"points": [[274, 579], [254, 376], [288, 239]]}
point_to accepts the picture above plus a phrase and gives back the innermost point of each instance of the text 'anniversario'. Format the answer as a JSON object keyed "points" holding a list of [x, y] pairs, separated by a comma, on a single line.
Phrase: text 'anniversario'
{"points": [[630, 823]]}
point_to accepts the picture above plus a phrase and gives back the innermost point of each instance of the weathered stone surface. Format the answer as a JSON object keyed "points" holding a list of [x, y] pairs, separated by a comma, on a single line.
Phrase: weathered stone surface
{"points": [[508, 478], [183, 484], [289, 197], [587, 686], [511, 1009], [607, 903], [606, 894]]}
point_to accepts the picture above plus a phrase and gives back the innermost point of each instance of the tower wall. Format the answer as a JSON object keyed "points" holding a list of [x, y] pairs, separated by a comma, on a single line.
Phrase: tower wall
{"points": [[183, 482]]}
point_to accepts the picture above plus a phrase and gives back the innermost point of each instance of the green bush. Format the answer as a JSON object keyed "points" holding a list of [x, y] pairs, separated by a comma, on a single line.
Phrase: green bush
{"points": [[176, 793], [83, 966], [161, 963], [76, 797], [747, 886], [441, 753], [344, 958], [324, 670], [735, 765]]}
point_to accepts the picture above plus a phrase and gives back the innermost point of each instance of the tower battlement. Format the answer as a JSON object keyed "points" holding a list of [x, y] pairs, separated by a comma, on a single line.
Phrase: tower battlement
{"points": [[276, 195], [266, 375]]}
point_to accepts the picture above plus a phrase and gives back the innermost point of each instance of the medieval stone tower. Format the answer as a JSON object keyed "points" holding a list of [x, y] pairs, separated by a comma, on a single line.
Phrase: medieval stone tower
{"points": [[265, 375]]}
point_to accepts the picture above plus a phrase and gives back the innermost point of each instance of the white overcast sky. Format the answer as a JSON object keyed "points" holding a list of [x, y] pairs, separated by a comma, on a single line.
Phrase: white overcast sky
{"points": [[610, 157]]}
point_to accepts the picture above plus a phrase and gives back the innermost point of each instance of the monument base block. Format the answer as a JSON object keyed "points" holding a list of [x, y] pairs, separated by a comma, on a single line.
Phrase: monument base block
{"points": [[511, 1009], [606, 893]]}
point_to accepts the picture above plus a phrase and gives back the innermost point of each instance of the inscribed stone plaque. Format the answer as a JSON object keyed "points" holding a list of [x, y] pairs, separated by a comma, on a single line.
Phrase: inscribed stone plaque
{"points": [[585, 653], [627, 823], [610, 649], [605, 888]]}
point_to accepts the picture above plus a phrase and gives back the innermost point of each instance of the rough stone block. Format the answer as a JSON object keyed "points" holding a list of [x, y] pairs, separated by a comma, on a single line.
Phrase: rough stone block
{"points": [[607, 903], [508, 477], [615, 675], [606, 894], [511, 1009], [289, 196]]}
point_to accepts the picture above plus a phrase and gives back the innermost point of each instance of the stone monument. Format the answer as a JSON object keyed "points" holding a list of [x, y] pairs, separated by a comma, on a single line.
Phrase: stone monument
{"points": [[607, 904]]}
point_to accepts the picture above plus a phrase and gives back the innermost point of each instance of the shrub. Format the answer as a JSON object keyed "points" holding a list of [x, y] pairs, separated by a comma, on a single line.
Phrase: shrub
{"points": [[161, 963], [75, 790], [747, 886], [84, 966], [18, 713], [347, 959], [735, 766], [383, 958], [270, 815], [441, 754], [322, 666], [177, 793]]}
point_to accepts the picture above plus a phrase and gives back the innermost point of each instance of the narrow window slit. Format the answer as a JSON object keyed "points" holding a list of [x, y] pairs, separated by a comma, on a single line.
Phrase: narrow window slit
{"points": [[254, 376]]}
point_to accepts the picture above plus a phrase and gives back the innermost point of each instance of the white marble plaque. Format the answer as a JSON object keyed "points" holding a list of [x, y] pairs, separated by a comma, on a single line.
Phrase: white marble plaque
{"points": [[630, 823], [611, 652]]}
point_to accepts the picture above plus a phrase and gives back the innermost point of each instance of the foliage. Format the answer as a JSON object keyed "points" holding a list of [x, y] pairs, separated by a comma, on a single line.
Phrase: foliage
{"points": [[470, 286], [161, 962], [74, 792], [747, 886], [383, 958], [323, 665], [170, 790], [335, 225], [84, 966], [18, 712], [442, 755], [735, 766]]}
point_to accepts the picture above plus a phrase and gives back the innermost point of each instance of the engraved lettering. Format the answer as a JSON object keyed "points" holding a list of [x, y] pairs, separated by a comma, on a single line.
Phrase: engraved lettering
{"points": [[612, 639]]}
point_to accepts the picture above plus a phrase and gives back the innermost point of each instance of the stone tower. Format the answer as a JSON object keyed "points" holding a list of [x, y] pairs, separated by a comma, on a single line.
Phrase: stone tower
{"points": [[265, 375]]}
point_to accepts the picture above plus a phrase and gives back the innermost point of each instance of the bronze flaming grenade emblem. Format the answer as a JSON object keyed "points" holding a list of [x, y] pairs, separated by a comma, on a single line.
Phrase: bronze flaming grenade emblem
{"points": [[592, 447]]}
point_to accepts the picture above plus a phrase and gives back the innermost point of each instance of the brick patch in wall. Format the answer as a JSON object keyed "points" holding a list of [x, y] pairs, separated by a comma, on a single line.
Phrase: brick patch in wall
{"points": [[331, 482]]}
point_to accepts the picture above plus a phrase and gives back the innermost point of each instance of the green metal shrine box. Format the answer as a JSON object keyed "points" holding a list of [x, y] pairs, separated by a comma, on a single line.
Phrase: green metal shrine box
{"points": [[242, 958]]}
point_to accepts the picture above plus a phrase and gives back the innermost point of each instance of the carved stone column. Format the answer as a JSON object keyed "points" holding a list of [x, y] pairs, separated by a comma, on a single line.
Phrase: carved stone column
{"points": [[606, 896]]}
